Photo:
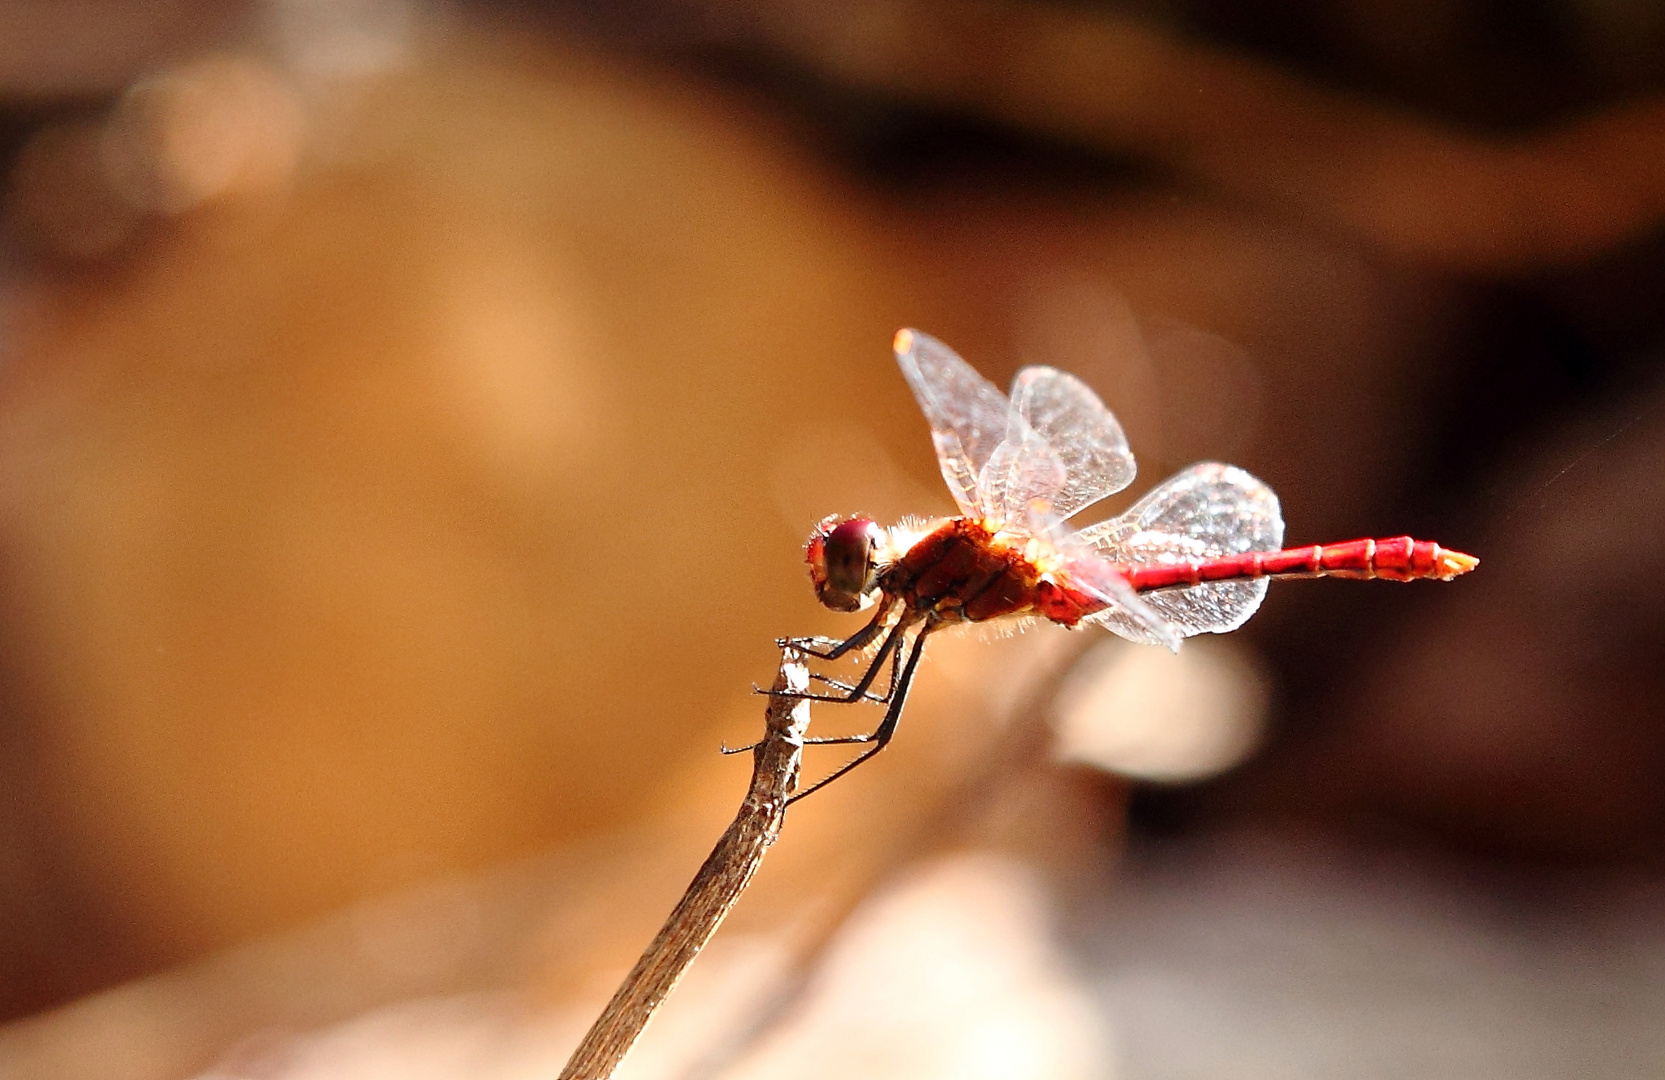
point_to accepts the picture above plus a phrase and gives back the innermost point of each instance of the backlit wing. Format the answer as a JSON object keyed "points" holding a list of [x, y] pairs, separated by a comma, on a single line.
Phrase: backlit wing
{"points": [[995, 464], [1018, 488], [1130, 615], [1082, 433], [1201, 512]]}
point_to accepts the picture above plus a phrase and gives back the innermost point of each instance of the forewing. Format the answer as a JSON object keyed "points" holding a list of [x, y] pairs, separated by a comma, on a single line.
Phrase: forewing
{"points": [[1083, 434], [1018, 488], [1204, 511], [967, 413]]}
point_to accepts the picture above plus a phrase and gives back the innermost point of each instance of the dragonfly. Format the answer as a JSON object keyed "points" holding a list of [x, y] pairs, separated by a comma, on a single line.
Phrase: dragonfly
{"points": [[1193, 556]]}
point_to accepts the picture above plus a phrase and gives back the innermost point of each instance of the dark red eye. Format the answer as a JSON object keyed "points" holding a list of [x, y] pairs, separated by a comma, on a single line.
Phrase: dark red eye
{"points": [[841, 559], [850, 555]]}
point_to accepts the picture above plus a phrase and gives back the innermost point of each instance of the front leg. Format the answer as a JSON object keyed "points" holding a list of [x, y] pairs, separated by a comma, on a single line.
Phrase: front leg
{"points": [[891, 651], [853, 692], [880, 736], [824, 648]]}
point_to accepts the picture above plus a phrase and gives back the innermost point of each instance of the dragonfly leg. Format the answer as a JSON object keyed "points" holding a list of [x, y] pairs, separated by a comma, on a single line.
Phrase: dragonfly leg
{"points": [[877, 699], [880, 735], [891, 650], [846, 689], [823, 648], [813, 646], [852, 694], [828, 740]]}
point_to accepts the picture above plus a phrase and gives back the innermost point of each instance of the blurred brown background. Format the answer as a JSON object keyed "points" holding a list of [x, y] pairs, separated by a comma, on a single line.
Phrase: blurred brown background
{"points": [[411, 416]]}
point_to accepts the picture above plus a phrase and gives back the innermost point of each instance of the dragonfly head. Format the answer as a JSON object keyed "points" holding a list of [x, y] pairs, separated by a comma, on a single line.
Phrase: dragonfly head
{"points": [[843, 561]]}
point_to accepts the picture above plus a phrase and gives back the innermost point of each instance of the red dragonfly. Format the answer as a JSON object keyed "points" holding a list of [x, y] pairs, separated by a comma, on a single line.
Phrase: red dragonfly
{"points": [[1193, 556]]}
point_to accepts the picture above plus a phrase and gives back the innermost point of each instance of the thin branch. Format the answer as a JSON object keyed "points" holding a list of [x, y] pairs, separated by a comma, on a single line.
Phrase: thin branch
{"points": [[715, 889], [1021, 748]]}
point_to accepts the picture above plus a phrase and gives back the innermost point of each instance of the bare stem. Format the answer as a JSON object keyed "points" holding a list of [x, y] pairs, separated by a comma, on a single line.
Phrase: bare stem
{"points": [[1019, 750], [715, 889]]}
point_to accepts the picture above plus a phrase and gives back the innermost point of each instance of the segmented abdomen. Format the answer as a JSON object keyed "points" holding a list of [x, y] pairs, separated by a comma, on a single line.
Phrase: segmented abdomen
{"points": [[1400, 558]]}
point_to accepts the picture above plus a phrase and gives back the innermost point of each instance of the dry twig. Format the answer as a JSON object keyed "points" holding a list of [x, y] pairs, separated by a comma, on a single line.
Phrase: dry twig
{"points": [[715, 889], [1020, 750]]}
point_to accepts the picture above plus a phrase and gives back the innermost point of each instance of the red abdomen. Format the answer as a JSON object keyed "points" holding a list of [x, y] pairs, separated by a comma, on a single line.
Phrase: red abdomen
{"points": [[1398, 559]]}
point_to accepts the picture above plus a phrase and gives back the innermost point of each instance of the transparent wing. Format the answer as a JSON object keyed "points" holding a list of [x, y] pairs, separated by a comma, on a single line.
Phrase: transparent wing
{"points": [[1204, 511], [995, 464], [967, 413], [1018, 488], [1130, 615], [1082, 433]]}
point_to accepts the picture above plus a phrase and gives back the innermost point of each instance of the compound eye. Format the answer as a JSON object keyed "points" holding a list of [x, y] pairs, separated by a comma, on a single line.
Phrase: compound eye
{"points": [[842, 557], [849, 556]]}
